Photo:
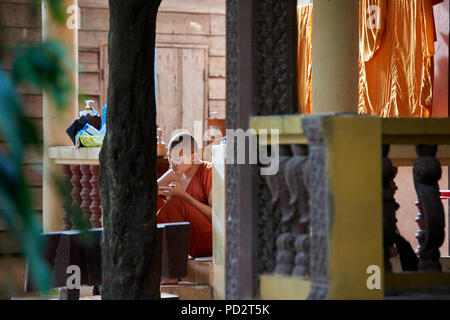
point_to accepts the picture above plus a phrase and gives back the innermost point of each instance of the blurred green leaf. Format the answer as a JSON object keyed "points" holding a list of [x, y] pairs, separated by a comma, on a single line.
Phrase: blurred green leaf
{"points": [[45, 66], [56, 9]]}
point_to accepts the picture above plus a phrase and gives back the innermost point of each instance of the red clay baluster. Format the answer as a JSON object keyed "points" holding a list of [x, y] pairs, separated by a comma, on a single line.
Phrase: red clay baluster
{"points": [[76, 188], [95, 197], [67, 223], [85, 191]]}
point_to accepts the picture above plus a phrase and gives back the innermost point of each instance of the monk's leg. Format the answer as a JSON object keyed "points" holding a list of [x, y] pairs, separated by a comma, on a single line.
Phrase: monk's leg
{"points": [[178, 210]]}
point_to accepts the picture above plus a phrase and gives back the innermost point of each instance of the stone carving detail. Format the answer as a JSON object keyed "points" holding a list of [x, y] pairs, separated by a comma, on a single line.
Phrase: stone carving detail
{"points": [[420, 235], [268, 220], [66, 216], [290, 193], [427, 171], [232, 199], [319, 209], [389, 207], [275, 61], [272, 26]]}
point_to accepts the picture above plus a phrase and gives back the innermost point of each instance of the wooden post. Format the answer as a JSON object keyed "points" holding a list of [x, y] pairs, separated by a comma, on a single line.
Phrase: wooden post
{"points": [[335, 52], [55, 124]]}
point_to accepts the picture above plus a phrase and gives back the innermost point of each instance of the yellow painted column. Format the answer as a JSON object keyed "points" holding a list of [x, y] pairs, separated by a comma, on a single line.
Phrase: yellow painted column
{"points": [[335, 52], [55, 123]]}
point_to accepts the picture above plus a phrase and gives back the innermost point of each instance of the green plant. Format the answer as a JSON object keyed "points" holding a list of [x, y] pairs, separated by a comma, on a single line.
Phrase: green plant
{"points": [[42, 66]]}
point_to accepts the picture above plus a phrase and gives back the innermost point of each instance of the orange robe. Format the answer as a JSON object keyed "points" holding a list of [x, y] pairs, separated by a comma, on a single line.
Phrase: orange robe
{"points": [[178, 210]]}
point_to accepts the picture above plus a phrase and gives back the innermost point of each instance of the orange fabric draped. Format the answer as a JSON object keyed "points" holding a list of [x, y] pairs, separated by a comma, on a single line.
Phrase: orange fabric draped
{"points": [[178, 210], [304, 18], [396, 75], [396, 51]]}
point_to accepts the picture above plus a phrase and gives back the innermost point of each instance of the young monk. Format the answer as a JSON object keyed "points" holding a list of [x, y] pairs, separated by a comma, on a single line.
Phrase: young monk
{"points": [[188, 184]]}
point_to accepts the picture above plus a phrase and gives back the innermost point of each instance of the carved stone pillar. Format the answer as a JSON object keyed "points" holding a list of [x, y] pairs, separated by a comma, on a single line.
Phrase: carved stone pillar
{"points": [[76, 189], [389, 207], [427, 171], [319, 208], [86, 191], [261, 79], [96, 211], [66, 216], [420, 235]]}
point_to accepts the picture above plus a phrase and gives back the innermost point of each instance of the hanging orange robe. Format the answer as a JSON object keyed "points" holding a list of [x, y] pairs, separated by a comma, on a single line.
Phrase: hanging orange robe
{"points": [[178, 210], [396, 51]]}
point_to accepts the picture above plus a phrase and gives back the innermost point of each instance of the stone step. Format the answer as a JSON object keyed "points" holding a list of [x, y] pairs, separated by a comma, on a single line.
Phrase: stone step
{"points": [[189, 291], [200, 271]]}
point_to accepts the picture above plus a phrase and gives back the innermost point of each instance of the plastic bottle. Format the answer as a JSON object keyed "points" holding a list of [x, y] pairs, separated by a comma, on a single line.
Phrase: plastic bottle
{"points": [[91, 130], [104, 114], [88, 110]]}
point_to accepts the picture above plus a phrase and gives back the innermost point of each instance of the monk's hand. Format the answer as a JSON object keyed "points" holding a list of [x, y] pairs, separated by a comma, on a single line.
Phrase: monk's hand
{"points": [[173, 190]]}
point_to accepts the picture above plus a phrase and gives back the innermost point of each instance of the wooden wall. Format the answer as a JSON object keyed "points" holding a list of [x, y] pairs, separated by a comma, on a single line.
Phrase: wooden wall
{"points": [[191, 72], [19, 24]]}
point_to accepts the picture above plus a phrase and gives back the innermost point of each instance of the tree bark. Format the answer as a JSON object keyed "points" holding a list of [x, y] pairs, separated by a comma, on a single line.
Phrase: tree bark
{"points": [[127, 179]]}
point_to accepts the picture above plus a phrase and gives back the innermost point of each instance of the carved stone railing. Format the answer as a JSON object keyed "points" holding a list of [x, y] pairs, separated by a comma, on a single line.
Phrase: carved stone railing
{"points": [[347, 165], [80, 167], [289, 191]]}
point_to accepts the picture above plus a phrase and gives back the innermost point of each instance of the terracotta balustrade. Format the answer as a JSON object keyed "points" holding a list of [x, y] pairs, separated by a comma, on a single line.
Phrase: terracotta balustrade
{"points": [[96, 211]]}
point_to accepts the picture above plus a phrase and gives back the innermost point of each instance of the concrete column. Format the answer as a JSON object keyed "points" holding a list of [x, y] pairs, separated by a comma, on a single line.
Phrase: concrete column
{"points": [[55, 123], [335, 52]]}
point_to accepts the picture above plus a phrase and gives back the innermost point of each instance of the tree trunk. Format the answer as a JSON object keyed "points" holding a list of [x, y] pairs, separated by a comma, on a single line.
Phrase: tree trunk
{"points": [[130, 257]]}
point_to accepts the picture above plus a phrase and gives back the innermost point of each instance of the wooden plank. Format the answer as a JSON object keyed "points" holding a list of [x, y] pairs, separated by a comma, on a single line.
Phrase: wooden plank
{"points": [[104, 76], [32, 105], [92, 39], [193, 96], [17, 1], [217, 46], [179, 23], [218, 23], [217, 66], [93, 4], [18, 36], [89, 61], [20, 15], [33, 174], [95, 19], [218, 106], [168, 91], [185, 40], [89, 83], [217, 89], [26, 89], [194, 6]]}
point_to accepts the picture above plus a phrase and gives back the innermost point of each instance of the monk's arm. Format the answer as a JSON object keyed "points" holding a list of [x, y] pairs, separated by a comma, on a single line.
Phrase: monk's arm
{"points": [[204, 208], [167, 178]]}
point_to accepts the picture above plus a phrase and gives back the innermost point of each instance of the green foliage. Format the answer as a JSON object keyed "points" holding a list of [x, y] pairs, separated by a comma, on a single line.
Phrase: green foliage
{"points": [[44, 67]]}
